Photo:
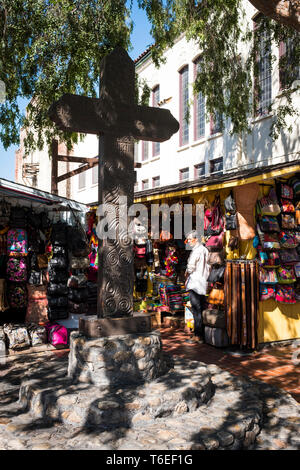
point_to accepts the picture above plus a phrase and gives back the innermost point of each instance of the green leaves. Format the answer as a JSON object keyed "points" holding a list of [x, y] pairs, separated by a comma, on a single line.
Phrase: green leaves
{"points": [[51, 47]]}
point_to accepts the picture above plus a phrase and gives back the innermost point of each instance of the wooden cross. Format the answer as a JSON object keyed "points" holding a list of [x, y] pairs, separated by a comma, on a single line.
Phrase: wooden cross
{"points": [[118, 121]]}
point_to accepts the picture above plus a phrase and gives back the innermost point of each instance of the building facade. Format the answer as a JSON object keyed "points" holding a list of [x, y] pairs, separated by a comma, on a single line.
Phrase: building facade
{"points": [[200, 149]]}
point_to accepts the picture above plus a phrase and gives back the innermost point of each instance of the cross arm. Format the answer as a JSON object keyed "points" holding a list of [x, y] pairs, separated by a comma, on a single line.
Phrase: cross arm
{"points": [[86, 115]]}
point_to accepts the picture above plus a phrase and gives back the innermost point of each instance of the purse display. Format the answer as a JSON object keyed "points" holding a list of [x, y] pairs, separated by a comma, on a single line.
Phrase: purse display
{"points": [[79, 263], [286, 275], [269, 224], [216, 295], [287, 206], [215, 243], [287, 240], [288, 221], [285, 294], [216, 257], [286, 191], [268, 276], [216, 274], [289, 256], [42, 261], [267, 292], [269, 259]]}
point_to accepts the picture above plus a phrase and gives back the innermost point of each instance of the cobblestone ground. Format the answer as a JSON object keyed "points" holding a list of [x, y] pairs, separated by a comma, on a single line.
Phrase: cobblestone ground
{"points": [[240, 413]]}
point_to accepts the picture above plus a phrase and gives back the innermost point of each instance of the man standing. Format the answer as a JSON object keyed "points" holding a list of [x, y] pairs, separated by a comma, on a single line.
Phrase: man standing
{"points": [[197, 272]]}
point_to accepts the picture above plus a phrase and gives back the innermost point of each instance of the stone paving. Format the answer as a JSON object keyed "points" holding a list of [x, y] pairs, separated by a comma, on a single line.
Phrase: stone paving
{"points": [[235, 412], [273, 364]]}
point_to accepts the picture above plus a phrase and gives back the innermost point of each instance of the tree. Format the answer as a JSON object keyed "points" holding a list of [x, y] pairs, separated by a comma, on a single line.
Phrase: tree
{"points": [[50, 47]]}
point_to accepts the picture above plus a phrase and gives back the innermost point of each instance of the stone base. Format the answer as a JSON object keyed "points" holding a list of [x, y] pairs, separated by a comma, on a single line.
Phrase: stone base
{"points": [[95, 327], [116, 360]]}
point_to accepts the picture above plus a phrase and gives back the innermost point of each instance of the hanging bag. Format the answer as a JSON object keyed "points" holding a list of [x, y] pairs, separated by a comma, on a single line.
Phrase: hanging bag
{"points": [[215, 243], [216, 295], [216, 274]]}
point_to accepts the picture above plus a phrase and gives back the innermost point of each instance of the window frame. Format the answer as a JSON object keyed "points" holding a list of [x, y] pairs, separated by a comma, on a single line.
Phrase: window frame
{"points": [[184, 124], [197, 135], [155, 104]]}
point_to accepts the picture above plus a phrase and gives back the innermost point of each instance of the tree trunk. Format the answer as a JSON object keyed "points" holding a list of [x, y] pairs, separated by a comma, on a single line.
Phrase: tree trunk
{"points": [[286, 12]]}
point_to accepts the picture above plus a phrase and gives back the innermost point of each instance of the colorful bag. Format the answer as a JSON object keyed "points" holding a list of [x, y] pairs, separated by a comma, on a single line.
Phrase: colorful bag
{"points": [[287, 206], [57, 334], [17, 336], [215, 243], [287, 240], [37, 334], [267, 292], [286, 275], [285, 294], [269, 224], [17, 269], [288, 221], [17, 296], [17, 242], [289, 256], [270, 242], [286, 191], [268, 205], [140, 251], [268, 276], [269, 260], [216, 295]]}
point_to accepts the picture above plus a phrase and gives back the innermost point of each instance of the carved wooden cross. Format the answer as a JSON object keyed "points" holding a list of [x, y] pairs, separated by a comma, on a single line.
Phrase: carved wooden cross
{"points": [[118, 121]]}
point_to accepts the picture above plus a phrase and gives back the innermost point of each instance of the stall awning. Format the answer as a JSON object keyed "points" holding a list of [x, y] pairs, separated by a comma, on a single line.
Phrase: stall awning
{"points": [[33, 195], [217, 182]]}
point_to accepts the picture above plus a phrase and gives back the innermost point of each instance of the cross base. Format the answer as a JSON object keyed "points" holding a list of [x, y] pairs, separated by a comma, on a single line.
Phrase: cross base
{"points": [[94, 327]]}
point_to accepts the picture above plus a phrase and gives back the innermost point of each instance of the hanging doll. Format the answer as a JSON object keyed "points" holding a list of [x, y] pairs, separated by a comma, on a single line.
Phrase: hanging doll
{"points": [[170, 261]]}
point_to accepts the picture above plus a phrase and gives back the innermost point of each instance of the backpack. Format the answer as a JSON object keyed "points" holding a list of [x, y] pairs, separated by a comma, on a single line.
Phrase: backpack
{"points": [[17, 242], [16, 269], [57, 334]]}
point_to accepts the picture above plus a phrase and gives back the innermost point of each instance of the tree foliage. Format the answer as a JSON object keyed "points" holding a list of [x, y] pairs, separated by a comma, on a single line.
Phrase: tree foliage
{"points": [[50, 47]]}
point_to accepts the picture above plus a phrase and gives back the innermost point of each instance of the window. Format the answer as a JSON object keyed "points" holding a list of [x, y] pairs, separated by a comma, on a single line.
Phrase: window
{"points": [[155, 101], [216, 165], [199, 108], [145, 185], [216, 124], [95, 171], [263, 80], [199, 170], [136, 151], [288, 72], [184, 174], [145, 151], [156, 182], [136, 187], [82, 180], [184, 106]]}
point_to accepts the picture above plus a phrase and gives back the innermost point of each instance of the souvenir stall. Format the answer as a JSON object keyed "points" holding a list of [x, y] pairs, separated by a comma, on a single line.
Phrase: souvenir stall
{"points": [[43, 263], [252, 231]]}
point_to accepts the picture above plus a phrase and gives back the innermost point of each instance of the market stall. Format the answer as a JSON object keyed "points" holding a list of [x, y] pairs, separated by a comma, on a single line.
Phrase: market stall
{"points": [[43, 265]]}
